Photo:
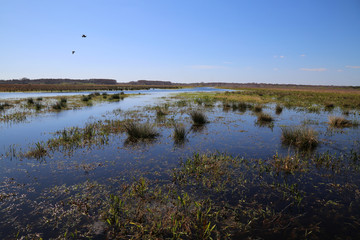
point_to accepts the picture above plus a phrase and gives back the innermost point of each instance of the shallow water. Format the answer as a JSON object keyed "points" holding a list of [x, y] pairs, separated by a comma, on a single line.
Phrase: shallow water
{"points": [[233, 132]]}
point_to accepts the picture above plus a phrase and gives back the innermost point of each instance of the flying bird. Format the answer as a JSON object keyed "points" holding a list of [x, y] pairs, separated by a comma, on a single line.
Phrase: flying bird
{"points": [[84, 36], [73, 52]]}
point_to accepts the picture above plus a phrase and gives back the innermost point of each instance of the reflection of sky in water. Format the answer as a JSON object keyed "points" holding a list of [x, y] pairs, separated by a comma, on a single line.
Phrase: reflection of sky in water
{"points": [[40, 126], [231, 132], [22, 95]]}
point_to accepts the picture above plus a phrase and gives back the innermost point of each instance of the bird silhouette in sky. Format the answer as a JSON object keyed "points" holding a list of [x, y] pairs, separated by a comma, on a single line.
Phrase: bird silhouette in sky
{"points": [[83, 36]]}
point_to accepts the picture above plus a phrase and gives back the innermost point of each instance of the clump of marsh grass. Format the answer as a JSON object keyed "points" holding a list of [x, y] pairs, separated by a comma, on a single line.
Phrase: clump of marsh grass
{"points": [[257, 108], [313, 109], [264, 117], [339, 122], [181, 103], [300, 136], [161, 110], [116, 96], [242, 106], [180, 133], [39, 99], [38, 152], [38, 106], [226, 106], [63, 100], [30, 101], [198, 118], [278, 109], [60, 105], [57, 106], [329, 106], [136, 131], [85, 98]]}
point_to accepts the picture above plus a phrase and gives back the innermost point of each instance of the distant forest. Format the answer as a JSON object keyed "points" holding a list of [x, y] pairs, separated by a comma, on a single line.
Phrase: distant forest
{"points": [[156, 83], [59, 81]]}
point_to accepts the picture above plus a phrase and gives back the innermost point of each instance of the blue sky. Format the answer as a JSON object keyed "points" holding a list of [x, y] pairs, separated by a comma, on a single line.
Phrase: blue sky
{"points": [[292, 41]]}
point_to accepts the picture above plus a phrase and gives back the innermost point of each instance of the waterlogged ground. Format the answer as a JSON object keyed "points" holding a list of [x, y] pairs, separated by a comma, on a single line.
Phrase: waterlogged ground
{"points": [[76, 174]]}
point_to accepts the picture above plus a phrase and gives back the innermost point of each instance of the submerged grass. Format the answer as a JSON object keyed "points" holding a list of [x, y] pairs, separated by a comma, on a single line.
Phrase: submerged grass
{"points": [[158, 214], [208, 196], [289, 164]]}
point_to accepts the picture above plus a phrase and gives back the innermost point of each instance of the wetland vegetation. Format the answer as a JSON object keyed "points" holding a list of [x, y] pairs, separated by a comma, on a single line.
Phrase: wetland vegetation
{"points": [[195, 165], [17, 110]]}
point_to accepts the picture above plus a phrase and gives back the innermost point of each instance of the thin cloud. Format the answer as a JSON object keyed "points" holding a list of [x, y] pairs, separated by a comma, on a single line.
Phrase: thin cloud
{"points": [[353, 67], [207, 67], [303, 55], [313, 69], [281, 56], [275, 69], [340, 70], [276, 56]]}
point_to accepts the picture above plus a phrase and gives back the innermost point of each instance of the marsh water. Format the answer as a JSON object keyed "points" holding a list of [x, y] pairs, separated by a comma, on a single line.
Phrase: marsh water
{"points": [[27, 184]]}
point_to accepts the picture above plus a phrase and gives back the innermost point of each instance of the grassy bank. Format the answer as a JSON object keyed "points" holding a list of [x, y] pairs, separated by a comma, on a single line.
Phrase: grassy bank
{"points": [[286, 97]]}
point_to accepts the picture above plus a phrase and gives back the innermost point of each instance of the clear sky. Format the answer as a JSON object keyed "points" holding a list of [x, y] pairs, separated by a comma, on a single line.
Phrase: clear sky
{"points": [[264, 41]]}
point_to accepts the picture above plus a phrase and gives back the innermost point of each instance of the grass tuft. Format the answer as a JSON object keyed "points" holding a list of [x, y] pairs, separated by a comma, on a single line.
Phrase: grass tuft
{"points": [[137, 131], [30, 101], [199, 118], [264, 117], [179, 133], [38, 152], [38, 106], [162, 110], [257, 108], [278, 109], [300, 136], [339, 122]]}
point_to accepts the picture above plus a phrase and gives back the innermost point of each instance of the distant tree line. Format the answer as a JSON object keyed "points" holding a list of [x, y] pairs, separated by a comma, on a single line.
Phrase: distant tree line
{"points": [[60, 81]]}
